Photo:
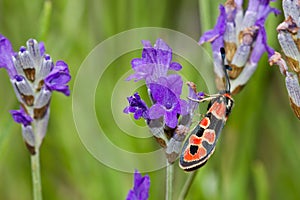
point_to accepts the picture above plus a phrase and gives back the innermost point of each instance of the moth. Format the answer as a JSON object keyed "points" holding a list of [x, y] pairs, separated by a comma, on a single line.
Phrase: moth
{"points": [[201, 143]]}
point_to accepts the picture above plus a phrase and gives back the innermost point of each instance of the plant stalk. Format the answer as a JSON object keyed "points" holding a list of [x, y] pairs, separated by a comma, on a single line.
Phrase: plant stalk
{"points": [[36, 177], [169, 180], [187, 185]]}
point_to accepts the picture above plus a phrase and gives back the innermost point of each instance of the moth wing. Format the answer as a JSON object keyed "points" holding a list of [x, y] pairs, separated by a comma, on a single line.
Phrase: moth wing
{"points": [[201, 143]]}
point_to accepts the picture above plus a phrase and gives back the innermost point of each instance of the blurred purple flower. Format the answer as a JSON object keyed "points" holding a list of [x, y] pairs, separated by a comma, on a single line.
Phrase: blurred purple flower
{"points": [[141, 187], [137, 106]]}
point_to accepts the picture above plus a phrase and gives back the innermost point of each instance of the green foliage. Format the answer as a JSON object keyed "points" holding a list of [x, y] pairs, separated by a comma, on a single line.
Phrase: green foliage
{"points": [[257, 156]]}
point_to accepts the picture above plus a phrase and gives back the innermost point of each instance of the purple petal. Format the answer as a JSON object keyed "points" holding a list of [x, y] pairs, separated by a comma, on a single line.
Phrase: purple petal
{"points": [[156, 111], [172, 82], [149, 53], [175, 84], [146, 44], [253, 5], [162, 94], [167, 102], [261, 45], [42, 48], [193, 105], [141, 187], [138, 114], [239, 3], [58, 77], [218, 30], [175, 66], [155, 62], [6, 53], [264, 10], [171, 119], [164, 53], [183, 107], [21, 117], [126, 110], [137, 106], [142, 69]]}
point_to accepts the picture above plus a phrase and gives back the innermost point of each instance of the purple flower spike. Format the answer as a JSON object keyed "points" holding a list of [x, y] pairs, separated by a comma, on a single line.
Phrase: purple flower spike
{"points": [[58, 78], [6, 53], [141, 187], [137, 106], [155, 62], [242, 34], [21, 117], [167, 104], [33, 77]]}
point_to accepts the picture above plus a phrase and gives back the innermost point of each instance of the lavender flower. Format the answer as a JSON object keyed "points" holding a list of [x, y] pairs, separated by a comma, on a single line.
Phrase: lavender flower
{"points": [[34, 77], [155, 62], [288, 37], [164, 89], [141, 187], [137, 106], [169, 117], [244, 39]]}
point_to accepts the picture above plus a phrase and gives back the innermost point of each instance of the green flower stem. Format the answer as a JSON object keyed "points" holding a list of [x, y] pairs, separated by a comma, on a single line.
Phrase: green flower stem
{"points": [[169, 180], [36, 177], [187, 185]]}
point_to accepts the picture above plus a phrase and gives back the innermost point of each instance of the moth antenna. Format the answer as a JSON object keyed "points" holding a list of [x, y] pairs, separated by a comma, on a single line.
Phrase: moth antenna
{"points": [[225, 68]]}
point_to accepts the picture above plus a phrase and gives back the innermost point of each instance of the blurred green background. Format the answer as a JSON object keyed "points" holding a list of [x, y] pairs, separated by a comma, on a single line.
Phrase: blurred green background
{"points": [[257, 157]]}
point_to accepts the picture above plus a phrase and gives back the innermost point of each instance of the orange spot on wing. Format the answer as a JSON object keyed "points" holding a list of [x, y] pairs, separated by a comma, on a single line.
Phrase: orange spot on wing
{"points": [[218, 110], [195, 140], [204, 123], [209, 136], [197, 156]]}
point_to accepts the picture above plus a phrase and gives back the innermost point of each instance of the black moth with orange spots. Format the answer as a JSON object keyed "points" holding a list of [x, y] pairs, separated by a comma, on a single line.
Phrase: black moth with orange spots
{"points": [[201, 143]]}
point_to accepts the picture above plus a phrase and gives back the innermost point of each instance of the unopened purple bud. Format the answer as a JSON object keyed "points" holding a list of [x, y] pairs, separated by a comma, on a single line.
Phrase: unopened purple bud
{"points": [[22, 49]]}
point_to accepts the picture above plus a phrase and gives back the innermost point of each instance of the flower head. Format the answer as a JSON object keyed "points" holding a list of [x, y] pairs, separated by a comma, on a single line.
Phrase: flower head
{"points": [[141, 187], [34, 77], [244, 39], [168, 112]]}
